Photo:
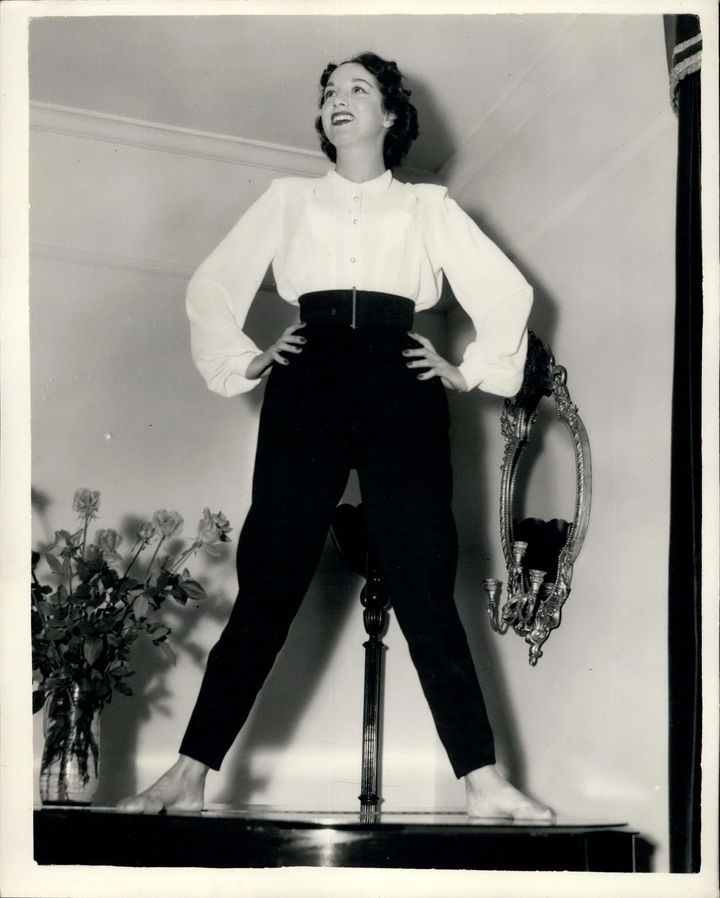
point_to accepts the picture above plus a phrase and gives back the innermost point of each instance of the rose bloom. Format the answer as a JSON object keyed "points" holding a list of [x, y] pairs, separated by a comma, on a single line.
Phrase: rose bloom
{"points": [[222, 524], [207, 531], [213, 527], [146, 532], [86, 502], [108, 540], [167, 522], [212, 530]]}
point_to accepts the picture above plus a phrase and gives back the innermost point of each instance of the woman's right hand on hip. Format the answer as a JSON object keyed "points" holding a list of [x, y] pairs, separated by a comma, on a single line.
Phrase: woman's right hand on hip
{"points": [[288, 341]]}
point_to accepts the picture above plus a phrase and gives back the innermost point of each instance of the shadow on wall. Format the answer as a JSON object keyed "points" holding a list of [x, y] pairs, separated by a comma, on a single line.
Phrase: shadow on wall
{"points": [[474, 430], [124, 717], [433, 127], [544, 314], [298, 670]]}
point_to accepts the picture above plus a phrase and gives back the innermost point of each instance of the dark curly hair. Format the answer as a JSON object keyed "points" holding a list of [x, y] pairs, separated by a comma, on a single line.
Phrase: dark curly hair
{"points": [[395, 100]]}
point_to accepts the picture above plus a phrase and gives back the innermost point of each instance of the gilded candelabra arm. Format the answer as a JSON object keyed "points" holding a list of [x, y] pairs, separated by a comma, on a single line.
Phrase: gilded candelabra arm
{"points": [[516, 577], [550, 610], [530, 598], [519, 608], [493, 588]]}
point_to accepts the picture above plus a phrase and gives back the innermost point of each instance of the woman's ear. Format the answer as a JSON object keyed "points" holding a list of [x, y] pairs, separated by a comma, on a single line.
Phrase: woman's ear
{"points": [[390, 119]]}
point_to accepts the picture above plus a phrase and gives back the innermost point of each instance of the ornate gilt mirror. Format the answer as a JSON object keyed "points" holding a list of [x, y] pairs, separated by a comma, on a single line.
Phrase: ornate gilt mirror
{"points": [[539, 551]]}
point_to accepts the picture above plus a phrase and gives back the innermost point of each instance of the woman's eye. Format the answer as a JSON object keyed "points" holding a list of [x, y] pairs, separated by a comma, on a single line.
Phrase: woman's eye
{"points": [[360, 89]]}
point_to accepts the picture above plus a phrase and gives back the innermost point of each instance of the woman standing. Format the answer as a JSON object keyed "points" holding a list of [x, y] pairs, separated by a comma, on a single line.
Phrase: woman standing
{"points": [[353, 386]]}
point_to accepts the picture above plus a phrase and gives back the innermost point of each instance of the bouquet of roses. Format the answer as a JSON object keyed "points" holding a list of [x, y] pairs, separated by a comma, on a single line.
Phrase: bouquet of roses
{"points": [[85, 621]]}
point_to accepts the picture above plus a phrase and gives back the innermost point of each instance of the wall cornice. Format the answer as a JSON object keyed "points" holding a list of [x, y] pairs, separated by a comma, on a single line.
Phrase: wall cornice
{"points": [[146, 135]]}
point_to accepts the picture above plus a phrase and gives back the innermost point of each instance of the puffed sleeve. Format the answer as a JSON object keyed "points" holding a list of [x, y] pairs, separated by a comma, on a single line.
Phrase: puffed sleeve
{"points": [[221, 291], [492, 291]]}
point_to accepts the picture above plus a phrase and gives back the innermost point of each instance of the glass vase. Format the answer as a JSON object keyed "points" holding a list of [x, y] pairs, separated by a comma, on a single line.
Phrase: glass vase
{"points": [[71, 753]]}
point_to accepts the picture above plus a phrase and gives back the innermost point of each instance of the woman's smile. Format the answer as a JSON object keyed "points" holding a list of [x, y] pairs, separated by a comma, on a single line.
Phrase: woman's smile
{"points": [[352, 96]]}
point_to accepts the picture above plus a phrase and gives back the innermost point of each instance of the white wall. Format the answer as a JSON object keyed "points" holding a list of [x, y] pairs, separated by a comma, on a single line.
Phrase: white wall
{"points": [[122, 213], [581, 192]]}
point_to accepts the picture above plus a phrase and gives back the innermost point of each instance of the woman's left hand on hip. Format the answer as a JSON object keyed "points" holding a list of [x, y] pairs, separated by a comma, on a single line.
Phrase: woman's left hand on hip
{"points": [[434, 364]]}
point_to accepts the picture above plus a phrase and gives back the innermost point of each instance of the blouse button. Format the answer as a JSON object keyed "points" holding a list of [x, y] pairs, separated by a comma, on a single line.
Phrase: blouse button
{"points": [[353, 259], [355, 221], [357, 199]]}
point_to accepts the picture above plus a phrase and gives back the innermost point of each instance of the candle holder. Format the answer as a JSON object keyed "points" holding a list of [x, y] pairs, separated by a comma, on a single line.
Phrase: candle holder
{"points": [[522, 598], [526, 597]]}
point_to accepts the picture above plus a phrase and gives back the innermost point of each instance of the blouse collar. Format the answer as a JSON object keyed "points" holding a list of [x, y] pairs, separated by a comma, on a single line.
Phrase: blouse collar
{"points": [[376, 185]]}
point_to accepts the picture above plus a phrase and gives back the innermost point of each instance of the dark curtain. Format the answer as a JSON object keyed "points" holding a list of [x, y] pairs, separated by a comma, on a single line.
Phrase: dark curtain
{"points": [[684, 47]]}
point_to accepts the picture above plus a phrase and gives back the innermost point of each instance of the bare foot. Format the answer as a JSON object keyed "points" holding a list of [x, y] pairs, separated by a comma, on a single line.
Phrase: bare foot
{"points": [[181, 788], [489, 794]]}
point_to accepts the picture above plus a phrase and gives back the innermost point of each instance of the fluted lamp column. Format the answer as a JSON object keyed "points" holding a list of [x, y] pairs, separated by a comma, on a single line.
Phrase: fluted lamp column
{"points": [[374, 601], [349, 535]]}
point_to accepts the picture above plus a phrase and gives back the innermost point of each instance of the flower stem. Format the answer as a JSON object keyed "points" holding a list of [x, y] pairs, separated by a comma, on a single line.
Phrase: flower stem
{"points": [[85, 528], [157, 548], [194, 546], [143, 544]]}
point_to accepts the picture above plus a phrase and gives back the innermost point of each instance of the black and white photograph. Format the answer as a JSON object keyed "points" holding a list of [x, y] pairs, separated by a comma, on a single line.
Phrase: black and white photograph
{"points": [[360, 448]]}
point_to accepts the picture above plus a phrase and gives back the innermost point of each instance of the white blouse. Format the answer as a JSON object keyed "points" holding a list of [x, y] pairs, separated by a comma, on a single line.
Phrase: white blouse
{"points": [[330, 233]]}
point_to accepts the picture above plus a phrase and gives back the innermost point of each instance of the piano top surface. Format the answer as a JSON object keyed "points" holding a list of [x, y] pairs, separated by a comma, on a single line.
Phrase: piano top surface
{"points": [[320, 819]]}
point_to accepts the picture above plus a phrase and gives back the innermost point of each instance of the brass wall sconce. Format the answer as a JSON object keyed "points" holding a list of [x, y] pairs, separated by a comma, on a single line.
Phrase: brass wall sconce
{"points": [[539, 555]]}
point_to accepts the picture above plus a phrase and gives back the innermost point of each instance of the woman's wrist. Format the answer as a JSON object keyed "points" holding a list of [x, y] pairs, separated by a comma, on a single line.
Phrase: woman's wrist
{"points": [[258, 365], [288, 341], [462, 382]]}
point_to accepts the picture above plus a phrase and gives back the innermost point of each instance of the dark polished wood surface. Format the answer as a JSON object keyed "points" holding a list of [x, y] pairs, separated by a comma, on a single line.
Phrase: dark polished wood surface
{"points": [[255, 837]]}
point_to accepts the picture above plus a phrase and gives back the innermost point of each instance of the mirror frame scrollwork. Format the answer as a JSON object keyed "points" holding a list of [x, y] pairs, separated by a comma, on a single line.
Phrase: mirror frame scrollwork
{"points": [[533, 608]]}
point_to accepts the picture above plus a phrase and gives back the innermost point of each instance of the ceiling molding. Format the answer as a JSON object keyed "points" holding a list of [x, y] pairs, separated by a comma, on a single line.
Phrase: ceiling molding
{"points": [[145, 135]]}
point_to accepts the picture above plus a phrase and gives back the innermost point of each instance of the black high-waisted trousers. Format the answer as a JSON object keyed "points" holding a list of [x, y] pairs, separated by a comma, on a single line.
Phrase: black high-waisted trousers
{"points": [[348, 401]]}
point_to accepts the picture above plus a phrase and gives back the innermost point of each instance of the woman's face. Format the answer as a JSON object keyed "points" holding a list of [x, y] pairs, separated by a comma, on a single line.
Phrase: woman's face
{"points": [[352, 111]]}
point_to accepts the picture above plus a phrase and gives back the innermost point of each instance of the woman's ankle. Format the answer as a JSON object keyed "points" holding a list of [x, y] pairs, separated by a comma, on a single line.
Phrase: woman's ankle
{"points": [[485, 776], [189, 767]]}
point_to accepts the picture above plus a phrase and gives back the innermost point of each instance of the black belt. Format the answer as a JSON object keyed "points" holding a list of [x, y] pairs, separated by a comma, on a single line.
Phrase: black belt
{"points": [[357, 308]]}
